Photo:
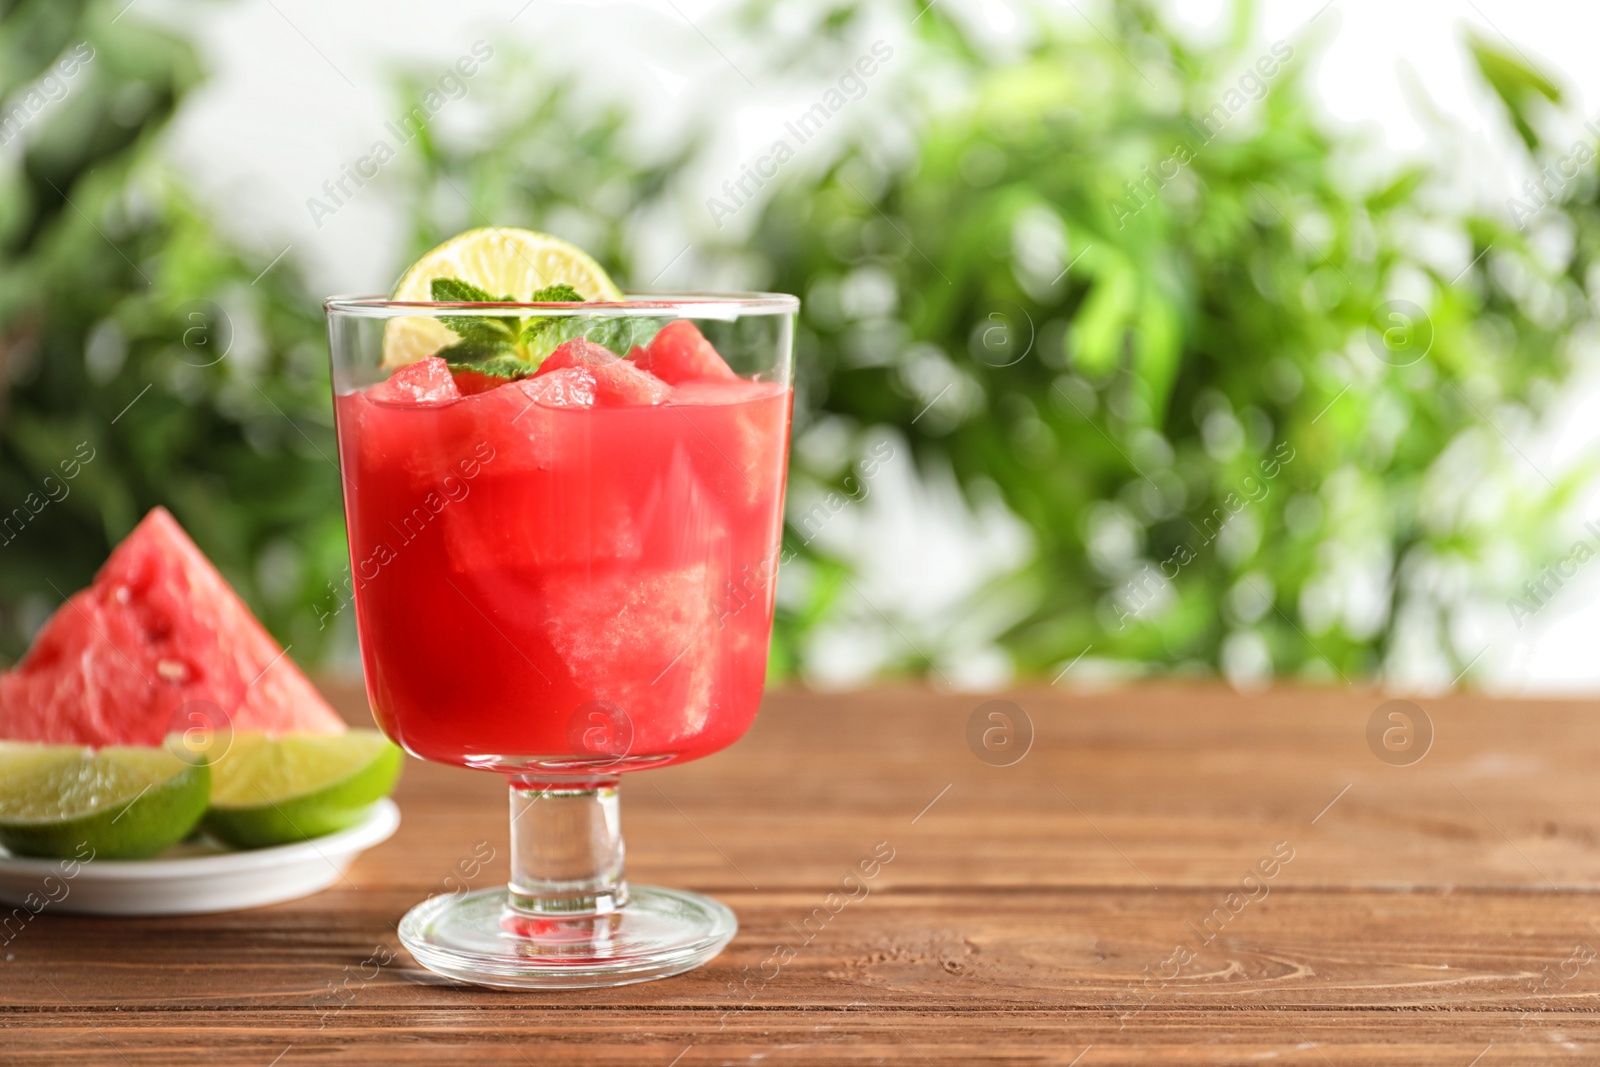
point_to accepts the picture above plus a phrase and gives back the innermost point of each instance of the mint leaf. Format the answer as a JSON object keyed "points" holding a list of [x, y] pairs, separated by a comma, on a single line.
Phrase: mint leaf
{"points": [[540, 337], [509, 347], [481, 330], [503, 365], [621, 335], [456, 291], [560, 292], [476, 351], [542, 333], [477, 328]]}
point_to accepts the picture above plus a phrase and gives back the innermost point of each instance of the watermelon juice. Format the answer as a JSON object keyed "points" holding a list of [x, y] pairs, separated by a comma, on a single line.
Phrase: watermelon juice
{"points": [[554, 577]]}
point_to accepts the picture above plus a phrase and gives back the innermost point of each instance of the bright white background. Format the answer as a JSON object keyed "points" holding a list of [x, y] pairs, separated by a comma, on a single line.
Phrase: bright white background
{"points": [[299, 87]]}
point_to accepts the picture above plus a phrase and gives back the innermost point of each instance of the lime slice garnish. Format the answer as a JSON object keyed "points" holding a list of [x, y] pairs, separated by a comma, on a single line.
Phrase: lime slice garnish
{"points": [[499, 259], [117, 803], [268, 791]]}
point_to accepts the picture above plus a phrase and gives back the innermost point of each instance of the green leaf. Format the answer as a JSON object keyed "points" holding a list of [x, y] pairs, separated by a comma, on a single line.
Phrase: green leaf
{"points": [[1100, 327], [481, 329], [622, 334], [474, 351], [503, 365], [1398, 193], [543, 333], [456, 291], [512, 347], [559, 293], [542, 336], [1157, 351], [1518, 85]]}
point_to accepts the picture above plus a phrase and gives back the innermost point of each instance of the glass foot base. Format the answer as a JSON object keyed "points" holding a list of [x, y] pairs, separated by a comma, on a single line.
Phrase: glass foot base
{"points": [[478, 938]]}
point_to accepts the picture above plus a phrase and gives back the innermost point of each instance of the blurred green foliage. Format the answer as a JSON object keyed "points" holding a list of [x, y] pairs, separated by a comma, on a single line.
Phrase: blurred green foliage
{"points": [[1124, 281], [1210, 331], [129, 327]]}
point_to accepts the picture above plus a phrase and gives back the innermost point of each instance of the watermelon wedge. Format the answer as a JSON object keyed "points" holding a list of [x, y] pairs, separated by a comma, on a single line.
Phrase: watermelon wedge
{"points": [[159, 628]]}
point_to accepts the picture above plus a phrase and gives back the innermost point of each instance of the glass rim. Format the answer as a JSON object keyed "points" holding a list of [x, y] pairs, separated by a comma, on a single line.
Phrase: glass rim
{"points": [[690, 305]]}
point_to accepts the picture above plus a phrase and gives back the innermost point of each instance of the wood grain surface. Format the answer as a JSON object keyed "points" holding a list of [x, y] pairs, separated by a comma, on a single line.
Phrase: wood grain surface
{"points": [[1169, 874]]}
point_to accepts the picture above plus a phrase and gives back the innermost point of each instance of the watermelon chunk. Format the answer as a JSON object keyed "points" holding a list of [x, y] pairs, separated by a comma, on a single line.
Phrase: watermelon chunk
{"points": [[427, 381], [741, 441], [618, 630], [159, 628], [617, 381], [681, 353], [565, 387], [471, 382]]}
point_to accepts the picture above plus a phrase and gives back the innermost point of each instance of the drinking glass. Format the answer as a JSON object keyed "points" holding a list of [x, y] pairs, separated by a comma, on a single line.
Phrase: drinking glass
{"points": [[564, 595]]}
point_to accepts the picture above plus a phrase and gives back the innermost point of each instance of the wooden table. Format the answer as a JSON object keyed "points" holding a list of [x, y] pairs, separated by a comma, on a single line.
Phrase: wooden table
{"points": [[1033, 913]]}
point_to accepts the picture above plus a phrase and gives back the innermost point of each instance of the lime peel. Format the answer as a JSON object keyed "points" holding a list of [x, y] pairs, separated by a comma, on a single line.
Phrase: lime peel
{"points": [[270, 791], [121, 802], [496, 259]]}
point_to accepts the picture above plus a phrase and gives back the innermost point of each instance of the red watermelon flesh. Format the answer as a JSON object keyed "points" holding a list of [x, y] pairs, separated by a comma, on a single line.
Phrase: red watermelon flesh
{"points": [[566, 387], [680, 353], [159, 628], [471, 382], [427, 381], [616, 380]]}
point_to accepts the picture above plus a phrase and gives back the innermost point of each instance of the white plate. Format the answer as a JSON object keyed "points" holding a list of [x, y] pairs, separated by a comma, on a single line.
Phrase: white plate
{"points": [[194, 877]]}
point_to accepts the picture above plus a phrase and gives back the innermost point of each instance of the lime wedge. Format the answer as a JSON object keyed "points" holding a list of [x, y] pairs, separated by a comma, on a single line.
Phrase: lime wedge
{"points": [[117, 803], [502, 260], [269, 791]]}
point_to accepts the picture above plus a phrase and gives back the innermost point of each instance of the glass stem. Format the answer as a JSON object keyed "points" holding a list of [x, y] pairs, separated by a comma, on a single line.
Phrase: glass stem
{"points": [[566, 849]]}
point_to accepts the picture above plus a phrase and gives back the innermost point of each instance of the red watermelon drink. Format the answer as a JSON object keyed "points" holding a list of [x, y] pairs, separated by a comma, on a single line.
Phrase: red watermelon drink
{"points": [[564, 511], [572, 571]]}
